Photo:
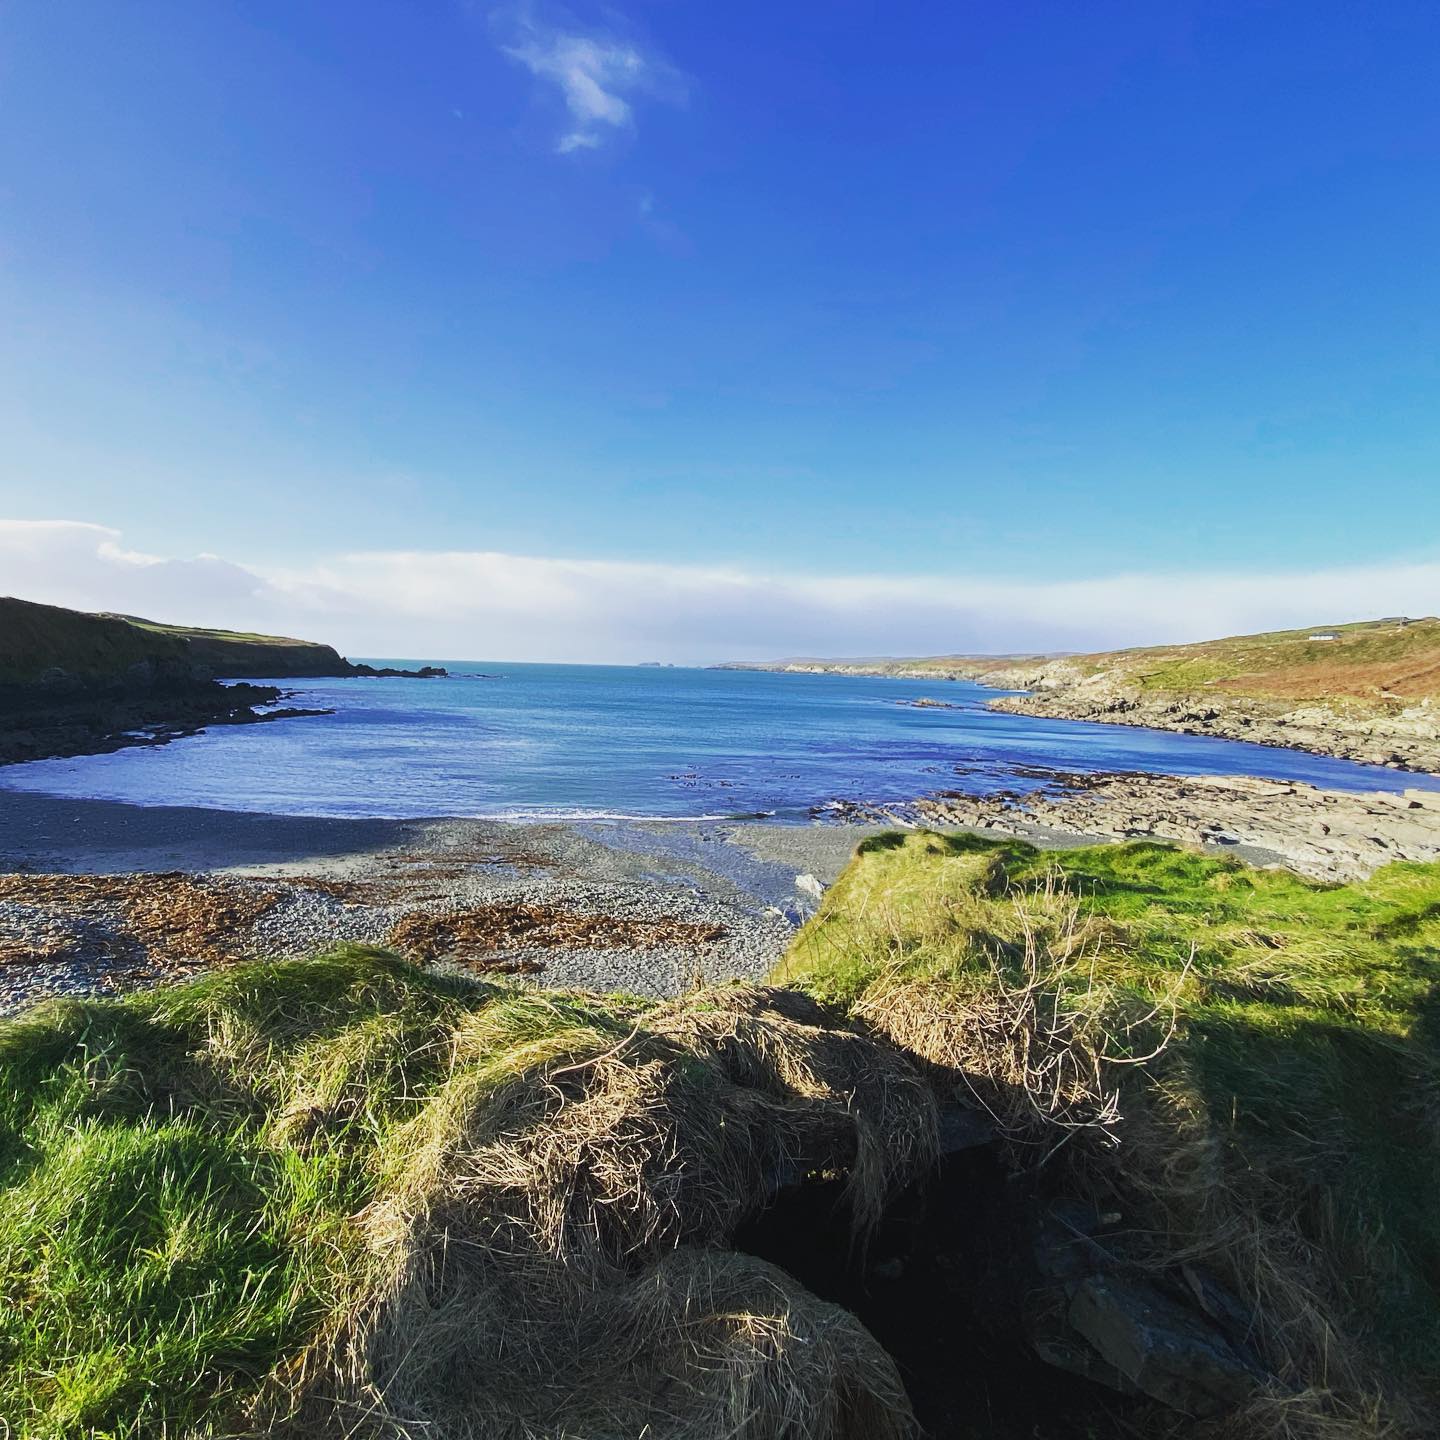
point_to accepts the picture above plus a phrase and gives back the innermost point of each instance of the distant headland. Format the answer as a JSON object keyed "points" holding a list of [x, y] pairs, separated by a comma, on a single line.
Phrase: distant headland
{"points": [[1366, 691]]}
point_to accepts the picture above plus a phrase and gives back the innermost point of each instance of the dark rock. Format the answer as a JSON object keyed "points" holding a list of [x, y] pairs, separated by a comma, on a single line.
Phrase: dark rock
{"points": [[963, 1128], [35, 726], [388, 672], [1164, 1349]]}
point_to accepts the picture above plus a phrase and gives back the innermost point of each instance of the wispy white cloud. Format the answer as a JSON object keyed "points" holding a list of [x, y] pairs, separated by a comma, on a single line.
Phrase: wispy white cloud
{"points": [[597, 74], [472, 604]]}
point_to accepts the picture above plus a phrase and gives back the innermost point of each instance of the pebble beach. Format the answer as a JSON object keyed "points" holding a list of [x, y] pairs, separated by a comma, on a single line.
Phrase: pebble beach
{"points": [[98, 897]]}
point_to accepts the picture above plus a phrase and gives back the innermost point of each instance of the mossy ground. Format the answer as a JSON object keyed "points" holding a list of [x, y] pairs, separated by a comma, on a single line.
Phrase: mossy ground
{"points": [[182, 1172]]}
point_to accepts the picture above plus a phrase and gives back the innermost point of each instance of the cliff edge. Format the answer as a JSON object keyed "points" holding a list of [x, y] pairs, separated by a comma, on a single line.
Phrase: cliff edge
{"points": [[75, 684]]}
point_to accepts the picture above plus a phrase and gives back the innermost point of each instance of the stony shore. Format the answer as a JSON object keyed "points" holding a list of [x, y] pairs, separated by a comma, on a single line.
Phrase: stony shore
{"points": [[100, 897], [97, 897], [1324, 834], [1406, 737]]}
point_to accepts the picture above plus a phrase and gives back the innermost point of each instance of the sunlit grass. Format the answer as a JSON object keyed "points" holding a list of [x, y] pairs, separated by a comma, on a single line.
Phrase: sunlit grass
{"points": [[1304, 1018]]}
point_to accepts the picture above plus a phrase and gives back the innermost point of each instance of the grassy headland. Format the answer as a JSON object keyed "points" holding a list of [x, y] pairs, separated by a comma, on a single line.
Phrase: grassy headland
{"points": [[304, 1197], [234, 654], [1367, 691], [73, 683], [46, 645]]}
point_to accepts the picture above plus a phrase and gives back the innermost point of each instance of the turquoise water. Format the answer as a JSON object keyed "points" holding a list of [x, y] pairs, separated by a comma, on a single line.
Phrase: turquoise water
{"points": [[565, 741]]}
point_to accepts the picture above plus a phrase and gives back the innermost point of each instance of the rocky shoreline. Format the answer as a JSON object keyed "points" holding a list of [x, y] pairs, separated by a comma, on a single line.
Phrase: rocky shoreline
{"points": [[32, 729], [1406, 737], [1323, 834], [1368, 691]]}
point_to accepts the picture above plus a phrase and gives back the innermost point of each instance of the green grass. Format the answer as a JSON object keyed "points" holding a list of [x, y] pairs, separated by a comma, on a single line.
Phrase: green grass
{"points": [[181, 1171], [1308, 1023], [178, 1173], [37, 638], [200, 632]]}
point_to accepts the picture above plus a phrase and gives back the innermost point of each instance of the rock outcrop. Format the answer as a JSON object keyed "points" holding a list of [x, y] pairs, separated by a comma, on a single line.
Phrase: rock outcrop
{"points": [[1400, 734], [1326, 834]]}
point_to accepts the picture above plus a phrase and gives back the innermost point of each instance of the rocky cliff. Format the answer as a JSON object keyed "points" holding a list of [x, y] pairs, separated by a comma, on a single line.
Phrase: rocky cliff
{"points": [[74, 684]]}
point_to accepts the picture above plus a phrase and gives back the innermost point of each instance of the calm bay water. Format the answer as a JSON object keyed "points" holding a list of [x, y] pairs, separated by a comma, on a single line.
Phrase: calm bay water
{"points": [[564, 741]]}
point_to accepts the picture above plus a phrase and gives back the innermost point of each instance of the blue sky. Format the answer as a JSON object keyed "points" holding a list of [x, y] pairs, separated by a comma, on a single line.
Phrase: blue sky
{"points": [[787, 294]]}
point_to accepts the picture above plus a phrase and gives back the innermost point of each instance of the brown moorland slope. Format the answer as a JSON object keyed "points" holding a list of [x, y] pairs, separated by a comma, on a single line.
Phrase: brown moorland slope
{"points": [[1371, 661]]}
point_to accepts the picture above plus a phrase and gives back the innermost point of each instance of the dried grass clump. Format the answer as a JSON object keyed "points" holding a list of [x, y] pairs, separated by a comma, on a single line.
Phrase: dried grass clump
{"points": [[471, 1342], [1034, 1037], [550, 1260], [1275, 1246]]}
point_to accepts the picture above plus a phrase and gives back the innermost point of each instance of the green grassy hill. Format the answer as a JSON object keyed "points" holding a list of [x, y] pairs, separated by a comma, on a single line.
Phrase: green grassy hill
{"points": [[236, 655], [36, 640], [109, 651]]}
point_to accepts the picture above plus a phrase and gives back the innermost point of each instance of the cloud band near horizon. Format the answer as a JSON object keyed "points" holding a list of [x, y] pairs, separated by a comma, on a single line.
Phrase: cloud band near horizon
{"points": [[488, 605]]}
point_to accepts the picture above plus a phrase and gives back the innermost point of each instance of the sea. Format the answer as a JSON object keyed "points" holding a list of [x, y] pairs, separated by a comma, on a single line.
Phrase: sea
{"points": [[601, 742]]}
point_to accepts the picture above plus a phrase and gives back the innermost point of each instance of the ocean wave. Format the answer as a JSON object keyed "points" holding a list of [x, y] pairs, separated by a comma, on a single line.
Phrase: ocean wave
{"points": [[534, 815]]}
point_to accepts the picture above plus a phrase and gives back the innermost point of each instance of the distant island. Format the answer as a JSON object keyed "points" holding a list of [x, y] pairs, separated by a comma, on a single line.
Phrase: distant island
{"points": [[73, 683], [1366, 691]]}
